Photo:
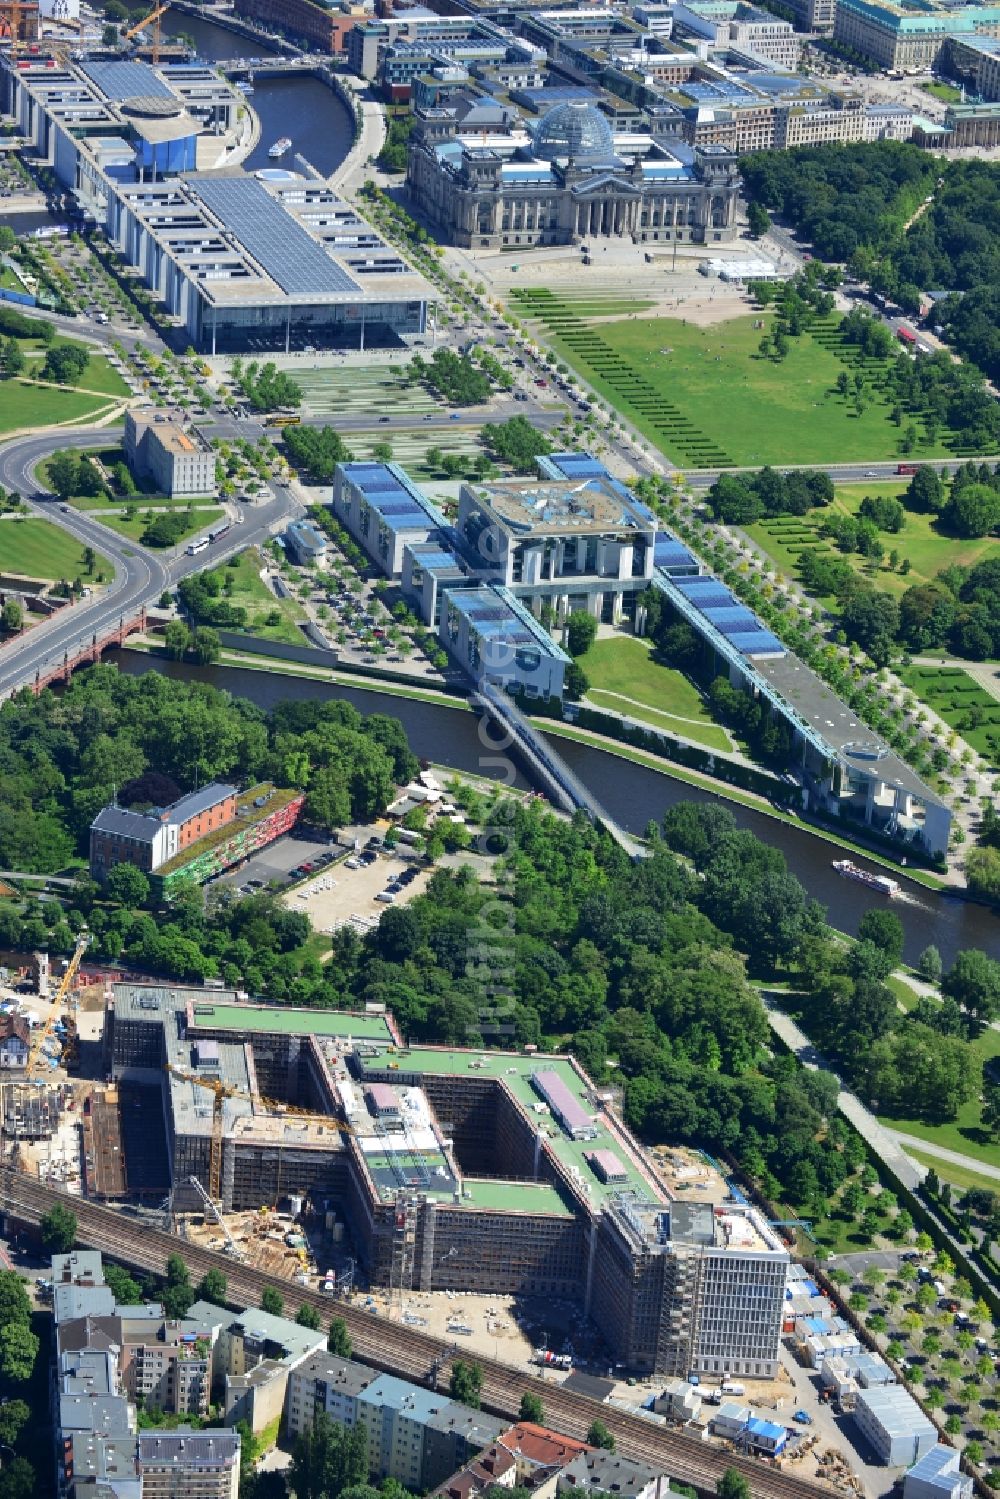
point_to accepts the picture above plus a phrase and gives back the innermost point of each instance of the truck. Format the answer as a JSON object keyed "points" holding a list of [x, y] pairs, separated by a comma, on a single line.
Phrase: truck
{"points": [[907, 468], [732, 1387], [906, 336]]}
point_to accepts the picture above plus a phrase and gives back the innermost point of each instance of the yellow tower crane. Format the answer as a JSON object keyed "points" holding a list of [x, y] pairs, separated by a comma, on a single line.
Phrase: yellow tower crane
{"points": [[45, 1030], [153, 19], [220, 1092]]}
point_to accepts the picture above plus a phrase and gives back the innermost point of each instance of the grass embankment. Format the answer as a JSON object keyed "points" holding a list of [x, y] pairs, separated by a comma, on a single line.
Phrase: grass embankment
{"points": [[246, 589], [625, 679], [708, 398], [40, 549]]}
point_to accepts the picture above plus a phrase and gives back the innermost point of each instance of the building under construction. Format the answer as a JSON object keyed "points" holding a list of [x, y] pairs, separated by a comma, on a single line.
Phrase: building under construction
{"points": [[456, 1170]]}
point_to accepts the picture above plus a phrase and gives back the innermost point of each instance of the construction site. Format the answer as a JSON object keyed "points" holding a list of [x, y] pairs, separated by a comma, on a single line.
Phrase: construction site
{"points": [[318, 1145]]}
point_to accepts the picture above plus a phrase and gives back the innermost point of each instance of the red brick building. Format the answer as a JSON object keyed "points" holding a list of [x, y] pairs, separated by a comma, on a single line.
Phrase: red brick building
{"points": [[325, 29]]}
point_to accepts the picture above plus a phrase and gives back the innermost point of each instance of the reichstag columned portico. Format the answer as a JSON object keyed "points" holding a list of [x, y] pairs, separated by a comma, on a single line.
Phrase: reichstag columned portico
{"points": [[571, 179]]}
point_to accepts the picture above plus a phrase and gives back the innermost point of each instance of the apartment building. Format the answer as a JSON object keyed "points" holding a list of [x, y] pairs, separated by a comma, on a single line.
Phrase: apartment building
{"points": [[414, 1435], [107, 1358]]}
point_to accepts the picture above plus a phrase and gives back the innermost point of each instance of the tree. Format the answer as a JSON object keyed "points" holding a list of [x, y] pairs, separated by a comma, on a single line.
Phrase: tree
{"points": [[991, 1101], [62, 470], [307, 1316], [531, 1409], [212, 1287], [12, 616], [872, 619], [758, 220], [581, 630], [178, 1292], [329, 1459], [466, 1383], [18, 1479], [18, 1351], [885, 929], [126, 1290], [127, 886], [13, 1415], [339, 1340], [973, 981], [58, 1230], [929, 965], [271, 1300], [973, 510], [11, 357], [176, 639], [600, 1436], [65, 364], [205, 646], [576, 683], [732, 1485], [15, 1303]]}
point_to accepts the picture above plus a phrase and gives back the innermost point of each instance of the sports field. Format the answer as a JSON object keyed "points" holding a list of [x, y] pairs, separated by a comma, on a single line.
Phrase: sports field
{"points": [[39, 549], [625, 679], [706, 396], [921, 541]]}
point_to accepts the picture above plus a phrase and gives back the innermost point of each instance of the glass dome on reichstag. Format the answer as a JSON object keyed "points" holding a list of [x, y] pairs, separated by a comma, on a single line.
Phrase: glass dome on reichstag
{"points": [[576, 129]]}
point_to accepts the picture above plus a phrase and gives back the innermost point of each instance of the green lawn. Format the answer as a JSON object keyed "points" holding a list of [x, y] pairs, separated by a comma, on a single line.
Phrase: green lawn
{"points": [[26, 406], [960, 701], [964, 1133], [625, 678], [251, 593], [39, 549], [927, 548], [133, 529], [957, 1175], [705, 396], [99, 374], [946, 92]]}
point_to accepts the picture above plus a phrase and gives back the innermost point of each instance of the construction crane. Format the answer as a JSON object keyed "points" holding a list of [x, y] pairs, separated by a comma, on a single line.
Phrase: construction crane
{"points": [[212, 1207], [153, 19], [45, 1030], [221, 1091]]}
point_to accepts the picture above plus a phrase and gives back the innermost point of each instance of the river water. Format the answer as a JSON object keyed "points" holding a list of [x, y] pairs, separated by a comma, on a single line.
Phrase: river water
{"points": [[313, 116], [631, 794]]}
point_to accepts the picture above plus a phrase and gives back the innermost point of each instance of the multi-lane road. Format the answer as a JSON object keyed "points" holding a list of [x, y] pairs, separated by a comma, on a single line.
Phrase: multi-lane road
{"points": [[140, 577]]}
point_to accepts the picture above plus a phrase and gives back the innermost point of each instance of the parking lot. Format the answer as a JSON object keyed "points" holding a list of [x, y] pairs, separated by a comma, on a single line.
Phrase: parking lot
{"points": [[276, 862], [341, 895]]}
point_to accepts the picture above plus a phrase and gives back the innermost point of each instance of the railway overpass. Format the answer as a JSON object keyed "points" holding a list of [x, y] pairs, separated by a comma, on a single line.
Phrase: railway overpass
{"points": [[403, 1350]]}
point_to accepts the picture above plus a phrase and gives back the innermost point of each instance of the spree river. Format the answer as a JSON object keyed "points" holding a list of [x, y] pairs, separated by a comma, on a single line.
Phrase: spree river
{"points": [[312, 115], [630, 793]]}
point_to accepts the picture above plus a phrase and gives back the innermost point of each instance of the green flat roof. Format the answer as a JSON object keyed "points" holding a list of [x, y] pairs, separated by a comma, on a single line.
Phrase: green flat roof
{"points": [[515, 1069], [247, 816], [514, 1197], [291, 1022]]}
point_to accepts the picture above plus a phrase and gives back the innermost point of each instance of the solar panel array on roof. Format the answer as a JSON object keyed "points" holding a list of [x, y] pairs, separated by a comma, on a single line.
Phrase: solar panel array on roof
{"points": [[668, 554], [732, 621], [758, 643], [707, 595], [126, 80], [289, 255]]}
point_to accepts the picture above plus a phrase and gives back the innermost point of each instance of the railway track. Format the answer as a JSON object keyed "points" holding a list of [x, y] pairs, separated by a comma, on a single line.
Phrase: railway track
{"points": [[404, 1350]]}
